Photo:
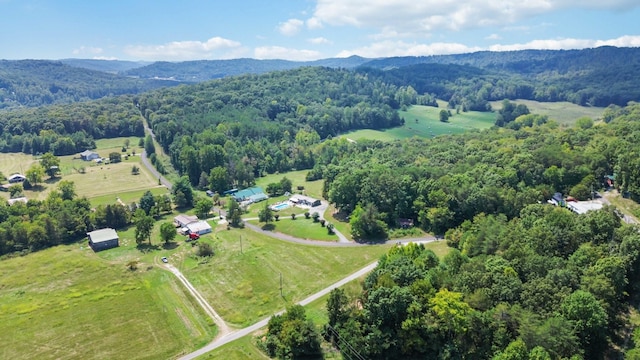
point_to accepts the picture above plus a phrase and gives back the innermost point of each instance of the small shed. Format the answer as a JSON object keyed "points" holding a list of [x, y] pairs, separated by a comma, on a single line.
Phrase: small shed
{"points": [[182, 220], [89, 155], [103, 239], [198, 227]]}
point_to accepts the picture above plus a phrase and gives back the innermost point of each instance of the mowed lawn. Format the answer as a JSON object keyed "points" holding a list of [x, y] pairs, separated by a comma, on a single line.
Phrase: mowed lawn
{"points": [[565, 113], [301, 227], [424, 121], [68, 303], [104, 181], [244, 287], [311, 188]]}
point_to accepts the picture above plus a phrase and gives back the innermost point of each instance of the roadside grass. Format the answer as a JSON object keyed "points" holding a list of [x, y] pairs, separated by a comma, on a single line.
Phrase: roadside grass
{"points": [[424, 121], [565, 113], [66, 302], [245, 287], [311, 188], [300, 227], [627, 206], [246, 348], [339, 220]]}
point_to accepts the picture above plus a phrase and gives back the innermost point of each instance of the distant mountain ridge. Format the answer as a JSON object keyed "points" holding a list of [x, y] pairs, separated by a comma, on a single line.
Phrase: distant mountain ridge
{"points": [[203, 70]]}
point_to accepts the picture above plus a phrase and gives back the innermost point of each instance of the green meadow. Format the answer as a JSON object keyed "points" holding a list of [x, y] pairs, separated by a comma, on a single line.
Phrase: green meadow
{"points": [[565, 113], [68, 303], [424, 121]]}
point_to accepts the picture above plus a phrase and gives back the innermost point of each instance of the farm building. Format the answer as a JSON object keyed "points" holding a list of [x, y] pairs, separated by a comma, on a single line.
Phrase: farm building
{"points": [[198, 227], [89, 155], [182, 220], [16, 178], [251, 195], [103, 239], [304, 200], [582, 207]]}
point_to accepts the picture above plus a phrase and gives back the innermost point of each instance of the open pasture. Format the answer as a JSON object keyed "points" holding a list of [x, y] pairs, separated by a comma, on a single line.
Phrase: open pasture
{"points": [[67, 303]]}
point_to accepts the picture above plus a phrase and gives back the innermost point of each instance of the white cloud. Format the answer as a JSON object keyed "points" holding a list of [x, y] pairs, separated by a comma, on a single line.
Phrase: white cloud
{"points": [[320, 40], [569, 43], [426, 16], [290, 27], [314, 23], [390, 48], [493, 37], [216, 47], [400, 48], [279, 52], [88, 50]]}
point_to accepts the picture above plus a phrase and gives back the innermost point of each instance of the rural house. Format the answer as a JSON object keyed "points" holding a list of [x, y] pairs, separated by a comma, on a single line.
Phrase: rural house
{"points": [[304, 200], [199, 227], [103, 239], [89, 155], [182, 220]]}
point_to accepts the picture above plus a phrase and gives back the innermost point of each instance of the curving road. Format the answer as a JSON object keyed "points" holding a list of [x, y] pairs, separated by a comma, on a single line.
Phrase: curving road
{"points": [[262, 323]]}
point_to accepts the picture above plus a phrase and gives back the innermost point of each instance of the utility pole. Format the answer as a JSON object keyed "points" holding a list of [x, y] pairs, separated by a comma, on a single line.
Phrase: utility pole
{"points": [[281, 285]]}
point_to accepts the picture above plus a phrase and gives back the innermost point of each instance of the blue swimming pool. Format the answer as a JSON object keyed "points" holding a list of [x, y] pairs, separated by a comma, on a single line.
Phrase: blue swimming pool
{"points": [[281, 206]]}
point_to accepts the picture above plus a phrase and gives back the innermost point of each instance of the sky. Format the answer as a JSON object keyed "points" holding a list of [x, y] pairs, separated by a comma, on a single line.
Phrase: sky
{"points": [[172, 30]]}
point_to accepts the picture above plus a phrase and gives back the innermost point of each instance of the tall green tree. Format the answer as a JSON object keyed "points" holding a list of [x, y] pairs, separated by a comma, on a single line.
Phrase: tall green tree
{"points": [[203, 207], [50, 163], [67, 189], [182, 193], [144, 226], [35, 174], [265, 214], [167, 232]]}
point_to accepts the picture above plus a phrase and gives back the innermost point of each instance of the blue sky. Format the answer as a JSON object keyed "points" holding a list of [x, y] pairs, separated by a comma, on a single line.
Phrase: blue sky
{"points": [[174, 30]]}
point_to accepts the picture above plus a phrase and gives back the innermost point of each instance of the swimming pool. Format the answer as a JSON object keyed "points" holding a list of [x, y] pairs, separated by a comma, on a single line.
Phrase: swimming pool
{"points": [[280, 206]]}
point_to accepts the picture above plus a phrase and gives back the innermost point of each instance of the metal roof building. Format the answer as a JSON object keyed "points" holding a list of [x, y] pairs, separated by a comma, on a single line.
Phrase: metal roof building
{"points": [[103, 239]]}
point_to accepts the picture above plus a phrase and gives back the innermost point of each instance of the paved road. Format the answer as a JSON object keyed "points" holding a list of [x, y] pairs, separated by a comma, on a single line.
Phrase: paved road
{"points": [[262, 323]]}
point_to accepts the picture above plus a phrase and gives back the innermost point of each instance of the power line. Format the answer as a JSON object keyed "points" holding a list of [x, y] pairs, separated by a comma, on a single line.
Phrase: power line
{"points": [[350, 348]]}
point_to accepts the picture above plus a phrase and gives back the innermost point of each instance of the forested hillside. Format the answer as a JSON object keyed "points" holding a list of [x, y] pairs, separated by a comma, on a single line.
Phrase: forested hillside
{"points": [[442, 183], [203, 70], [256, 124], [68, 129], [592, 77], [42, 82]]}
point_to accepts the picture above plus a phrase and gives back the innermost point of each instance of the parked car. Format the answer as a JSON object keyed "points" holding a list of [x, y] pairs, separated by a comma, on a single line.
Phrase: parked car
{"points": [[164, 260], [193, 236]]}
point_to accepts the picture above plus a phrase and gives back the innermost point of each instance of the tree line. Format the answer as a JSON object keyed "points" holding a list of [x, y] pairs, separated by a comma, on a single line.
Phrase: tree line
{"points": [[547, 284]]}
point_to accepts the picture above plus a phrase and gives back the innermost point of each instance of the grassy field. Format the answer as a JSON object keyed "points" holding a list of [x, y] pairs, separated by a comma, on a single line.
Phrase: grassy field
{"points": [[424, 121], [245, 348], [105, 182], [311, 188], [66, 302], [245, 287], [565, 113], [300, 227]]}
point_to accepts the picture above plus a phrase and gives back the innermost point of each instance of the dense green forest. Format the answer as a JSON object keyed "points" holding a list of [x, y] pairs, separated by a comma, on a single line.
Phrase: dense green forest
{"points": [[256, 124], [442, 183], [68, 129], [43, 82], [591, 77], [547, 284]]}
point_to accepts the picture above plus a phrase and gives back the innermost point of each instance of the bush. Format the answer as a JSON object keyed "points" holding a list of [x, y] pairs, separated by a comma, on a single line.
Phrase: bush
{"points": [[315, 216], [307, 214]]}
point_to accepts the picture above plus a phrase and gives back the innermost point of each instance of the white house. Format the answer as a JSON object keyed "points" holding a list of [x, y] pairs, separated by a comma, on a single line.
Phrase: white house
{"points": [[199, 227]]}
